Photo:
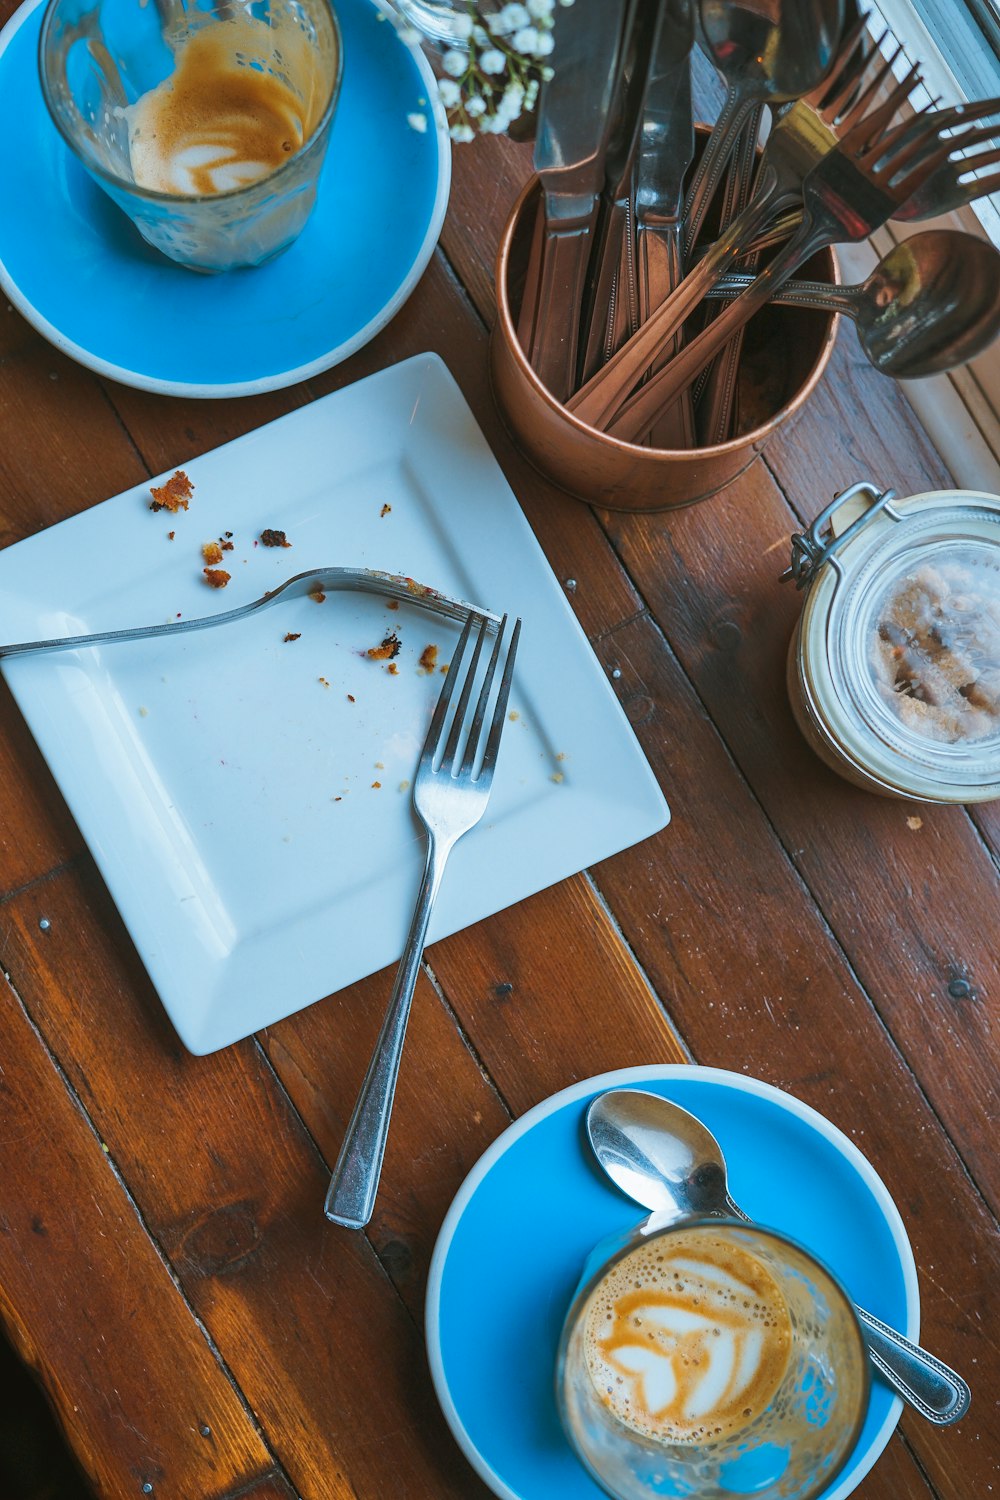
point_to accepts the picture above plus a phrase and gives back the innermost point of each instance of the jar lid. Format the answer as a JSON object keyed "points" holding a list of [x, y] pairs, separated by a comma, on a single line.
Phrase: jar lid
{"points": [[900, 639]]}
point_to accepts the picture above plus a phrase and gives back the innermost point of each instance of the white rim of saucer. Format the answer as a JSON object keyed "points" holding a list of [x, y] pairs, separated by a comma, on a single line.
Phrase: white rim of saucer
{"points": [[659, 1073], [279, 381]]}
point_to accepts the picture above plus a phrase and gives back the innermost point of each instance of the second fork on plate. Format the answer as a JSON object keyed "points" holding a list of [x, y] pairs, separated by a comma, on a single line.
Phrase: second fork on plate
{"points": [[450, 792]]}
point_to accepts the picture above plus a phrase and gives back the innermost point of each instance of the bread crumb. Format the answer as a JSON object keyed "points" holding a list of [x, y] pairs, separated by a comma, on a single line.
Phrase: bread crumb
{"points": [[351, 698], [428, 659], [212, 553], [292, 635], [143, 712], [513, 716], [217, 577], [914, 823], [272, 538], [387, 651], [557, 777], [385, 510], [317, 595], [171, 535], [392, 669], [338, 799], [561, 755], [404, 786], [393, 604], [175, 495], [376, 783], [380, 765], [323, 681]]}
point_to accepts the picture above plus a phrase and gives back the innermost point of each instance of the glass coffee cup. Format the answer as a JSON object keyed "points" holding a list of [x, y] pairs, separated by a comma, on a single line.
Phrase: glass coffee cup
{"points": [[206, 124], [711, 1358]]}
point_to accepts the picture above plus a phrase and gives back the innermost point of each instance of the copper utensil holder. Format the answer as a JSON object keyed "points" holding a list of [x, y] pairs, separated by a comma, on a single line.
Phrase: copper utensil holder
{"points": [[786, 351]]}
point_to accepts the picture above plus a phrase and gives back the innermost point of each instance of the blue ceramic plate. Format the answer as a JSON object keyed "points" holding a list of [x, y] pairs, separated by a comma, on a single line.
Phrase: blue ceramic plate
{"points": [[77, 269], [514, 1241]]}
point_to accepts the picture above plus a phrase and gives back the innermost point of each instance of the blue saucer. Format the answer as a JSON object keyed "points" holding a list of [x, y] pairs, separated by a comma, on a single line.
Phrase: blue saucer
{"points": [[514, 1241], [73, 264]]}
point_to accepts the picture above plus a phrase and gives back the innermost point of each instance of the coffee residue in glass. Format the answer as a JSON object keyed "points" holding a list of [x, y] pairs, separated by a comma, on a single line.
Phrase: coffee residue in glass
{"points": [[936, 652]]}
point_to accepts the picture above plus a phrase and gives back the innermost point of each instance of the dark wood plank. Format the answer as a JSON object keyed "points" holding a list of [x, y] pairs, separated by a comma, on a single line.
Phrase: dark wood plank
{"points": [[230, 1187], [544, 1011], [925, 922], [82, 1289]]}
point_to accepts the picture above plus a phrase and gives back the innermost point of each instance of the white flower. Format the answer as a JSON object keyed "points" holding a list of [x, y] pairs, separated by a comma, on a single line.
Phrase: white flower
{"points": [[508, 19], [545, 43], [475, 106], [449, 91], [540, 10], [461, 27], [462, 133], [526, 41], [491, 61], [455, 62], [417, 122], [480, 36]]}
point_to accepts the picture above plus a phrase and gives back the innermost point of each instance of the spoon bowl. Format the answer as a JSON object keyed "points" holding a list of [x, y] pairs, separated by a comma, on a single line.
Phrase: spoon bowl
{"points": [[932, 303]]}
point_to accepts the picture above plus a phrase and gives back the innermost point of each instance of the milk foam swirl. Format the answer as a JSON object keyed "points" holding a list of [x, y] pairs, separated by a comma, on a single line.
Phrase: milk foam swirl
{"points": [[227, 115], [688, 1338]]}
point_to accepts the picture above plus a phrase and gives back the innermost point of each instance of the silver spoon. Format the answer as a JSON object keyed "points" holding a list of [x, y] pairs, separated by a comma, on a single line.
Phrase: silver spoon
{"points": [[932, 303], [665, 1159], [766, 54]]}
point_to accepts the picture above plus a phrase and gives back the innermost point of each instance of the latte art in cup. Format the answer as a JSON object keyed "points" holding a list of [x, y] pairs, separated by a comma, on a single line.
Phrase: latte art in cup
{"points": [[228, 115], [687, 1339]]}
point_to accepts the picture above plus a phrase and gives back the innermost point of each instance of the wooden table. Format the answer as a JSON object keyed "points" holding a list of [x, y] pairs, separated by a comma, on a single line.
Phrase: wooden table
{"points": [[165, 1268]]}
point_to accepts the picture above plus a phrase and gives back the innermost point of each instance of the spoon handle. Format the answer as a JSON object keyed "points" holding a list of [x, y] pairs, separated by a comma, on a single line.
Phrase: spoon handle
{"points": [[923, 1382], [936, 1391]]}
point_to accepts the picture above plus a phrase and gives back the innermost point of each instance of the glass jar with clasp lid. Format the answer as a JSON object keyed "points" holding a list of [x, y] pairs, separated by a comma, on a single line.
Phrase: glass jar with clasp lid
{"points": [[894, 667]]}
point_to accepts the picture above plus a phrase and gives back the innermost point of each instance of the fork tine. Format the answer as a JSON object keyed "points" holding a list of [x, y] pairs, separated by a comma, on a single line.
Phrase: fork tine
{"points": [[496, 726], [451, 749], [862, 125], [472, 744], [436, 728], [851, 59]]}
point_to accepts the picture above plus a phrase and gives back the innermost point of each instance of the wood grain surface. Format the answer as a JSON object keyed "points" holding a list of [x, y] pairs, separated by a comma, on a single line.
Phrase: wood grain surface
{"points": [[165, 1272]]}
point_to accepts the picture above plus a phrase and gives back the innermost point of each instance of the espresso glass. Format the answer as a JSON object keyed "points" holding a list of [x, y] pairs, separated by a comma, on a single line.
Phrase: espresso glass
{"points": [[98, 58], [790, 1450]]}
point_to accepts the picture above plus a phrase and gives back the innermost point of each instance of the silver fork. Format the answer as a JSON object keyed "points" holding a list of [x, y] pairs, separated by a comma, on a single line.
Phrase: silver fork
{"points": [[449, 795]]}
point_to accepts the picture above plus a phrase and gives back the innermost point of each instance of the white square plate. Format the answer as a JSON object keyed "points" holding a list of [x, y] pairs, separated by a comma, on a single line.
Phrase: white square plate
{"points": [[225, 781]]}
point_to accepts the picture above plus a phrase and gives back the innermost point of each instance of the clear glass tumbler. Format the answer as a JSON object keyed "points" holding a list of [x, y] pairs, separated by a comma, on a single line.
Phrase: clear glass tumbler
{"points": [[641, 1314], [207, 123]]}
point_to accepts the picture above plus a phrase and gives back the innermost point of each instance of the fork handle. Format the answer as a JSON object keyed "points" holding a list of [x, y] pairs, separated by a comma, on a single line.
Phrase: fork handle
{"points": [[350, 1198]]}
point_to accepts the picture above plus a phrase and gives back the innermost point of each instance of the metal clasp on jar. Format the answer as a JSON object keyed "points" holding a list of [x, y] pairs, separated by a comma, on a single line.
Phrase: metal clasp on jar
{"points": [[818, 545]]}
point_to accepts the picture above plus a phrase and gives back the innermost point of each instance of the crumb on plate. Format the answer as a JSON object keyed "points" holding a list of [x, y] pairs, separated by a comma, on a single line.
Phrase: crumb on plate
{"points": [[212, 553], [292, 635], [317, 595], [216, 577], [428, 659], [174, 495], [272, 538], [385, 510], [387, 651]]}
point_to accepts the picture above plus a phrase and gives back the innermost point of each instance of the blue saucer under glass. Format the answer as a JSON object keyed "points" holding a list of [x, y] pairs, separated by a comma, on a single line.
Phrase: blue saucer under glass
{"points": [[77, 269], [513, 1244]]}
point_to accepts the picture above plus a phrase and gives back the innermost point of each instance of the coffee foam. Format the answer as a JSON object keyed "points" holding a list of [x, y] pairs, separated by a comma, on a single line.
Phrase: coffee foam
{"points": [[688, 1338], [228, 114]]}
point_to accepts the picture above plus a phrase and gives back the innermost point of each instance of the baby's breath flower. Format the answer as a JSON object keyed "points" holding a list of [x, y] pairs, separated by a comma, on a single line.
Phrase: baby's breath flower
{"points": [[495, 68], [526, 40], [417, 122]]}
